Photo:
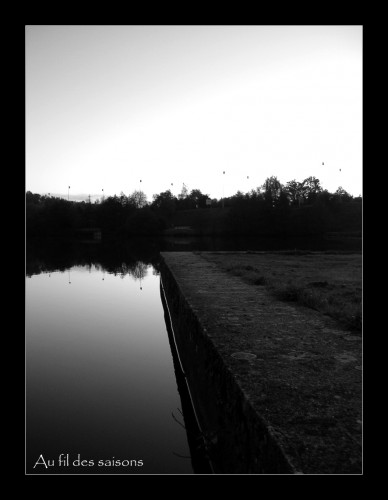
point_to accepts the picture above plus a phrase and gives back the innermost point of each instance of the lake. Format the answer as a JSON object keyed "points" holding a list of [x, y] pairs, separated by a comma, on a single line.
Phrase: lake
{"points": [[104, 391], [101, 389]]}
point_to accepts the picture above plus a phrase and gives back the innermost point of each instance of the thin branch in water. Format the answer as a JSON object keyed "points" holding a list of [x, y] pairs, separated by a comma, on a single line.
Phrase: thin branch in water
{"points": [[177, 421]]}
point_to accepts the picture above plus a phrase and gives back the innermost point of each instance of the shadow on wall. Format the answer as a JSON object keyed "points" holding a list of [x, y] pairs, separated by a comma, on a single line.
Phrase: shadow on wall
{"points": [[200, 457]]}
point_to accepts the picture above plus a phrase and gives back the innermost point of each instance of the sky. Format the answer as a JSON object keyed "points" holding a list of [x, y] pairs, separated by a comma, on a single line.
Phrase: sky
{"points": [[219, 108]]}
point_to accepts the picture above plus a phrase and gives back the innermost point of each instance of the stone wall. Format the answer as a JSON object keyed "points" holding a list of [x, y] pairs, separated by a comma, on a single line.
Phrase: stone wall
{"points": [[237, 440]]}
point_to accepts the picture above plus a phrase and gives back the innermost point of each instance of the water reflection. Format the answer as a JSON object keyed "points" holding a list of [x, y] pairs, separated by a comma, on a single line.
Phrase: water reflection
{"points": [[118, 257], [100, 380]]}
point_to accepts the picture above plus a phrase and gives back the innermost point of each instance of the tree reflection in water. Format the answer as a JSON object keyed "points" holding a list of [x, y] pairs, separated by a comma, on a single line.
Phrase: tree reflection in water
{"points": [[133, 258]]}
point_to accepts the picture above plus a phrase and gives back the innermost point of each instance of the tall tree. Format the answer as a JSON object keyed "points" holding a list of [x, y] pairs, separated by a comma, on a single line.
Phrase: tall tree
{"points": [[165, 203], [312, 188], [197, 198], [138, 199], [342, 195], [184, 192], [294, 191], [272, 188]]}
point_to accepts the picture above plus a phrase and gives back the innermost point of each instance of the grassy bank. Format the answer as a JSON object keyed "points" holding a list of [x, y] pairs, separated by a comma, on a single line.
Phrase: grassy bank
{"points": [[330, 283]]}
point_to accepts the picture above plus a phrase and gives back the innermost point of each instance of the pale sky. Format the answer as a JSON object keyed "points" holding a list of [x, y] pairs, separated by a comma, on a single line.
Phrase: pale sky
{"points": [[108, 106]]}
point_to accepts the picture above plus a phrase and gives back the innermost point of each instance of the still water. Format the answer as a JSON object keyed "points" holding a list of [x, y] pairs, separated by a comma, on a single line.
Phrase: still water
{"points": [[101, 390]]}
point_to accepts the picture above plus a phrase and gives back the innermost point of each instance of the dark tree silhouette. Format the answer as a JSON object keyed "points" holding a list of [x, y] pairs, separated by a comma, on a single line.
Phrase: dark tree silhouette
{"points": [[268, 209], [165, 203], [311, 189], [272, 189], [294, 191], [138, 199]]}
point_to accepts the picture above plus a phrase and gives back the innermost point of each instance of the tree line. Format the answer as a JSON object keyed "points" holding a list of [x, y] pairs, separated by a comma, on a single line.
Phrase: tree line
{"points": [[271, 207]]}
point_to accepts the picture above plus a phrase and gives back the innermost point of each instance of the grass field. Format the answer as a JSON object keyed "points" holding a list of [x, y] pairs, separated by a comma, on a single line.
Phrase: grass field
{"points": [[330, 283]]}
